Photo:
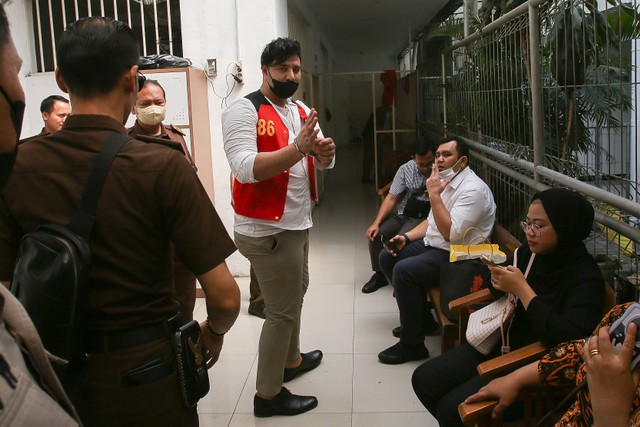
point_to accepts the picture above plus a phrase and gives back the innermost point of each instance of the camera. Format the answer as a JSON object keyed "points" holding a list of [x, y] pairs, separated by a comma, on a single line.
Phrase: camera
{"points": [[618, 331]]}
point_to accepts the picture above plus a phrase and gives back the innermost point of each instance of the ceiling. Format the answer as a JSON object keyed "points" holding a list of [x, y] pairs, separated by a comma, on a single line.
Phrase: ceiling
{"points": [[356, 25]]}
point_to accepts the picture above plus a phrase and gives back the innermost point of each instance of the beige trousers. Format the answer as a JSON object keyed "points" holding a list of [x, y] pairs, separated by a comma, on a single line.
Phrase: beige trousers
{"points": [[280, 262]]}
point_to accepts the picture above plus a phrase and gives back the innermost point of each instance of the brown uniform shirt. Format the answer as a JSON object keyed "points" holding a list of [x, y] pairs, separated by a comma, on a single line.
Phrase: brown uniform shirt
{"points": [[185, 281], [151, 197], [166, 132]]}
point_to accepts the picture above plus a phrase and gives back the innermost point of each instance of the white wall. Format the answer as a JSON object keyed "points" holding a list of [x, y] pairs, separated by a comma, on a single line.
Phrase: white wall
{"points": [[230, 30], [227, 30]]}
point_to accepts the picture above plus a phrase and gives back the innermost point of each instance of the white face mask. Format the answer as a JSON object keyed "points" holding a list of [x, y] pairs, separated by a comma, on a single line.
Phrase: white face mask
{"points": [[450, 173], [151, 115]]}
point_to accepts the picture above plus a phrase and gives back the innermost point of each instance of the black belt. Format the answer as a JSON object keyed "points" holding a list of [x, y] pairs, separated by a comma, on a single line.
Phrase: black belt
{"points": [[98, 342]]}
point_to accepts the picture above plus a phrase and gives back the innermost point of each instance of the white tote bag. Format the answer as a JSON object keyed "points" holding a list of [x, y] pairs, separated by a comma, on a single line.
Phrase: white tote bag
{"points": [[487, 326]]}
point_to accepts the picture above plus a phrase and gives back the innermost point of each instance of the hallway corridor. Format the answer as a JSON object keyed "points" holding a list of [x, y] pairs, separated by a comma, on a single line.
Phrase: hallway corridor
{"points": [[352, 387]]}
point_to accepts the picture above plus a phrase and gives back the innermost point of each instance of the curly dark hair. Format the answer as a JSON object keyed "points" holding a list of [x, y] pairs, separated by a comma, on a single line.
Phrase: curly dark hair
{"points": [[279, 50]]}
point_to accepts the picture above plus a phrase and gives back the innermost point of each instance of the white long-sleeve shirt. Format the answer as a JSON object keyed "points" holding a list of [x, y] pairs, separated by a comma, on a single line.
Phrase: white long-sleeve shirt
{"points": [[240, 145]]}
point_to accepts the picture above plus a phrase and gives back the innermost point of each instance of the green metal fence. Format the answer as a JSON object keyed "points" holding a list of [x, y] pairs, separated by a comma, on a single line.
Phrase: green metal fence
{"points": [[546, 95]]}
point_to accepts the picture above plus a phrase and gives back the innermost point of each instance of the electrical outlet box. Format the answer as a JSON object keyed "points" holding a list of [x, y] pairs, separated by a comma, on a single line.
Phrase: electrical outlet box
{"points": [[239, 76], [212, 67]]}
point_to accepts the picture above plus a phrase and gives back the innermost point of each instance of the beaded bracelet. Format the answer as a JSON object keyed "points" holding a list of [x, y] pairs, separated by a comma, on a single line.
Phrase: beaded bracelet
{"points": [[210, 329]]}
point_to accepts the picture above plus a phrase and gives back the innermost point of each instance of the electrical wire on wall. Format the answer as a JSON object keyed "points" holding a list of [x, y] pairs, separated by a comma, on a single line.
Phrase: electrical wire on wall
{"points": [[229, 84]]}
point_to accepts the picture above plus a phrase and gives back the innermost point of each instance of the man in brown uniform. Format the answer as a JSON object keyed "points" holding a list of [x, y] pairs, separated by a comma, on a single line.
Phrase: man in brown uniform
{"points": [[151, 198], [150, 110], [54, 109]]}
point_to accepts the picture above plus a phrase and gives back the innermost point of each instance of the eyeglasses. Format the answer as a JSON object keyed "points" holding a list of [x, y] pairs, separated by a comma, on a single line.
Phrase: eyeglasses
{"points": [[141, 80], [534, 228], [425, 165]]}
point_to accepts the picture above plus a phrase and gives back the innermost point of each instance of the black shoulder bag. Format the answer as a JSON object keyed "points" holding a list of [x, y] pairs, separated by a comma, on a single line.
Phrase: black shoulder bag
{"points": [[51, 274]]}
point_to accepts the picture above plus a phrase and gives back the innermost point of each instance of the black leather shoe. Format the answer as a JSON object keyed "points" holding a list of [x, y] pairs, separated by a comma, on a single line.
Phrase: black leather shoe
{"points": [[261, 313], [402, 353], [376, 282], [430, 327], [309, 362], [283, 403]]}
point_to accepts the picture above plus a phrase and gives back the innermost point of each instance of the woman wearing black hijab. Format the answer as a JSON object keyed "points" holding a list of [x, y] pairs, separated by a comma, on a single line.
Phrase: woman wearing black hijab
{"points": [[560, 300]]}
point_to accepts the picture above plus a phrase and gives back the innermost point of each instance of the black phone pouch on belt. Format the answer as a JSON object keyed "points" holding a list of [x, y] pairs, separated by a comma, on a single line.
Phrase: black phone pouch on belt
{"points": [[192, 368]]}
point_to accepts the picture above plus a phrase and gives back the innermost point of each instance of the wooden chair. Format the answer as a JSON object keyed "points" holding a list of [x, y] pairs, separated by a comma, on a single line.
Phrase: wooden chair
{"points": [[382, 192], [479, 413]]}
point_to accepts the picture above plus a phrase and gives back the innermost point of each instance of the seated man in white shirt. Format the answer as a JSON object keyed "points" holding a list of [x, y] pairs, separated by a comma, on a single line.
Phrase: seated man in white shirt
{"points": [[459, 200]]}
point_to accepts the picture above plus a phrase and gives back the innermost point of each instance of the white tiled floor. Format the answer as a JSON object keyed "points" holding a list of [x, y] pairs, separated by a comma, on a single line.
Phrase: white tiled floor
{"points": [[351, 328]]}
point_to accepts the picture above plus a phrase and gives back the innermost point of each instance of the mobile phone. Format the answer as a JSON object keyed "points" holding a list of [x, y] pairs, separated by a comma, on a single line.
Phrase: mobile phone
{"points": [[389, 245], [618, 331], [487, 261]]}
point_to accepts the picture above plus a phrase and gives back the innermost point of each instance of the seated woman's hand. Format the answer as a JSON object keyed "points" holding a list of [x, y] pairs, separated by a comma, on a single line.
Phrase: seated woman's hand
{"points": [[504, 389], [611, 382], [510, 279]]}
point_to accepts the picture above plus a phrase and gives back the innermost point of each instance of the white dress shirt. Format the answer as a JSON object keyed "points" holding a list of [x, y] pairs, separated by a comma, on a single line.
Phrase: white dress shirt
{"points": [[469, 202]]}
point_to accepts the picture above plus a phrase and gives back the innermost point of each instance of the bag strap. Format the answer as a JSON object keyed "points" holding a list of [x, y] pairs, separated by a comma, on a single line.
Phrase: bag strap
{"points": [[506, 337], [464, 236], [484, 239], [84, 217]]}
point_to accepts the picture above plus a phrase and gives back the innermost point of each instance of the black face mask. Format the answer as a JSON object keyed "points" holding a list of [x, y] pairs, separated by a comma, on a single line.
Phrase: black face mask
{"points": [[8, 159], [283, 90]]}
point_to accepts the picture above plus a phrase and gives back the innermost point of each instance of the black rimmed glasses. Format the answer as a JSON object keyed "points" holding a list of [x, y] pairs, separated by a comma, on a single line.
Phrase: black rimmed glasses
{"points": [[534, 228]]}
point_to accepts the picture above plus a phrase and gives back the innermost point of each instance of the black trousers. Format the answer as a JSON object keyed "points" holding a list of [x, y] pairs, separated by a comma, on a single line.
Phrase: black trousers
{"points": [[444, 382], [411, 272]]}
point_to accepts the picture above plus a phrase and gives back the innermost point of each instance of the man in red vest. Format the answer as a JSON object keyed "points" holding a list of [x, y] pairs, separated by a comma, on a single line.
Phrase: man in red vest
{"points": [[273, 145]]}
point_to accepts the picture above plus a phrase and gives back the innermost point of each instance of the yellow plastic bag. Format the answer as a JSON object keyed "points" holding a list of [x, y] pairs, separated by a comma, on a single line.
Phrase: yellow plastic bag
{"points": [[490, 250], [468, 251]]}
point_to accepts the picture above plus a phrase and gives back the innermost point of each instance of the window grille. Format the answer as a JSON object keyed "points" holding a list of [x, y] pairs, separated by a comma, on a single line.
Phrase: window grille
{"points": [[156, 24]]}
